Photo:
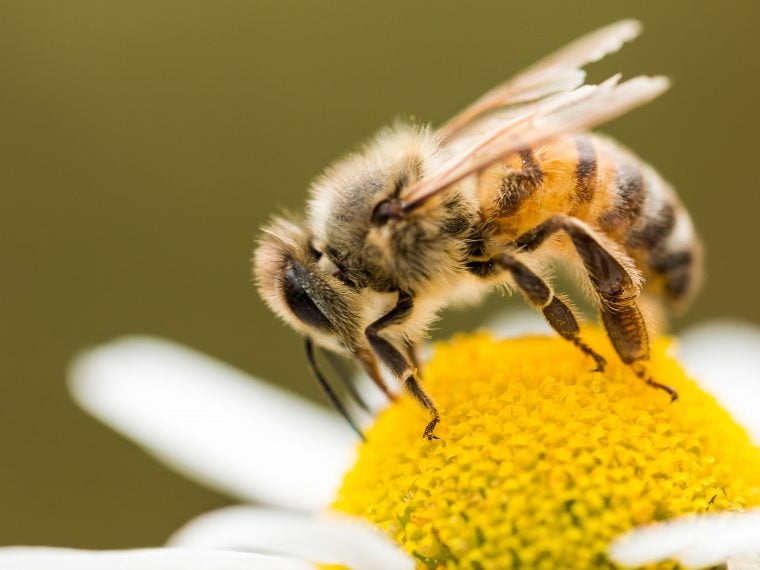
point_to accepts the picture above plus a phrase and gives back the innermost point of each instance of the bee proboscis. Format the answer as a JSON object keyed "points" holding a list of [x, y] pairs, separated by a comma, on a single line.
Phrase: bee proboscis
{"points": [[421, 218]]}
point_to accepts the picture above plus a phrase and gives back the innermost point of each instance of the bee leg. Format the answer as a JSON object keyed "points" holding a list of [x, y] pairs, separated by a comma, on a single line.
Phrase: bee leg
{"points": [[615, 286], [563, 320], [415, 357], [398, 363], [556, 312], [369, 364], [626, 328]]}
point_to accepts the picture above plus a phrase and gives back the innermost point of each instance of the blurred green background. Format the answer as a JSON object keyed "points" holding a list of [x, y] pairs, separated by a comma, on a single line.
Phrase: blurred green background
{"points": [[144, 142]]}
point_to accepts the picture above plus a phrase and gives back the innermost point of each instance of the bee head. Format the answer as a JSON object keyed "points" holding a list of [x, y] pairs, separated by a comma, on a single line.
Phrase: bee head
{"points": [[302, 286]]}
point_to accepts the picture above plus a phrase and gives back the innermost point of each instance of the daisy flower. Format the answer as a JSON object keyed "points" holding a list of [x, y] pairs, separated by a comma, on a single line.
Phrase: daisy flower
{"points": [[541, 462]]}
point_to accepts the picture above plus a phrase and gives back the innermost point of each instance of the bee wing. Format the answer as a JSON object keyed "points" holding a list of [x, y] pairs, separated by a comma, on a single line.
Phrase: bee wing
{"points": [[558, 72], [579, 109]]}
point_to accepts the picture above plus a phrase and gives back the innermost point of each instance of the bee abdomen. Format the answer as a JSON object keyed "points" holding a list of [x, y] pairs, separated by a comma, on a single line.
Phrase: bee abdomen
{"points": [[658, 232], [675, 262], [594, 179], [654, 229], [630, 195], [641, 212], [586, 171], [519, 185]]}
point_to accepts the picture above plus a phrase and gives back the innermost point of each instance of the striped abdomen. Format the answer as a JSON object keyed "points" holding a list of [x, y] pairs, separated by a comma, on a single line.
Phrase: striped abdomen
{"points": [[594, 179]]}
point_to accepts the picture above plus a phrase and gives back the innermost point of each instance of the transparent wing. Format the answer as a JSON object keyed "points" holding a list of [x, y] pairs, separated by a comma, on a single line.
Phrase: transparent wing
{"points": [[582, 108], [559, 72]]}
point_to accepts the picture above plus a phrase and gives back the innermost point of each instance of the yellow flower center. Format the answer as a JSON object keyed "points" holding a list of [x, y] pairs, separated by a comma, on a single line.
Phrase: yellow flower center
{"points": [[542, 462]]}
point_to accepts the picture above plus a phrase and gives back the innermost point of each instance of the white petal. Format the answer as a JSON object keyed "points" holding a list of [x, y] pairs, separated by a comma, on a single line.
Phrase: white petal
{"points": [[725, 358], [43, 558], [749, 562], [509, 324], [328, 538], [696, 541], [214, 423]]}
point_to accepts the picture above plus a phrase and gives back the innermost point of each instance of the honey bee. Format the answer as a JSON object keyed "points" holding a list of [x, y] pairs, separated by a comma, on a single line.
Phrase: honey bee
{"points": [[420, 218]]}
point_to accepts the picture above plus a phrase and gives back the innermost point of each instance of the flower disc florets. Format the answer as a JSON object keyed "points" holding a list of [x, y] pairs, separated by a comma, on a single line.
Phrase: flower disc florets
{"points": [[541, 462]]}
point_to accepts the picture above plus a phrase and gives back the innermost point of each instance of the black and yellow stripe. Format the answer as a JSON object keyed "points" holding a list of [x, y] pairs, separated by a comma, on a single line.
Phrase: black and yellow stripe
{"points": [[594, 180]]}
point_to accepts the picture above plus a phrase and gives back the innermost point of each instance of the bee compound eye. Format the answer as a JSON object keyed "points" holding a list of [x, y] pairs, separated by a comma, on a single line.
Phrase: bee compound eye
{"points": [[300, 302]]}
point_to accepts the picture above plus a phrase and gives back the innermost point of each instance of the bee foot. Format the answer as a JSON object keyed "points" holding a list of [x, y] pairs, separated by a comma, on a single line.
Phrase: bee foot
{"points": [[601, 363], [670, 391], [641, 372], [428, 433]]}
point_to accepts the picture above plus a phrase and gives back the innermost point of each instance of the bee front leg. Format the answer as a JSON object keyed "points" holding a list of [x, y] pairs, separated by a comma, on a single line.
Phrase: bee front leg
{"points": [[398, 363], [556, 312], [616, 287]]}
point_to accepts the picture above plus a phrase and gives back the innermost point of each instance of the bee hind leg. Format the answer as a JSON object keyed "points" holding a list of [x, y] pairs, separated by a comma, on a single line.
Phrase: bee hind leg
{"points": [[556, 312], [616, 288], [627, 331]]}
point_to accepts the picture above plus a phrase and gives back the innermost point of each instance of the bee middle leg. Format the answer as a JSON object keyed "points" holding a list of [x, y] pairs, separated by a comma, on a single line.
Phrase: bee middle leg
{"points": [[615, 286], [399, 363], [556, 312]]}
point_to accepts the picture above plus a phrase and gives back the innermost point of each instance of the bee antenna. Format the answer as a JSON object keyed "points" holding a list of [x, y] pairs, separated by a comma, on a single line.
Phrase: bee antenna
{"points": [[327, 389], [344, 374]]}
